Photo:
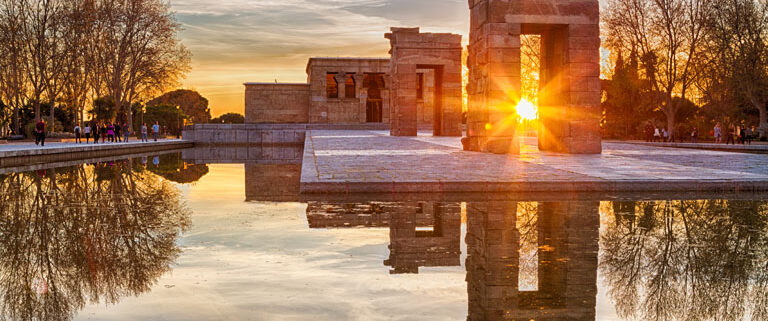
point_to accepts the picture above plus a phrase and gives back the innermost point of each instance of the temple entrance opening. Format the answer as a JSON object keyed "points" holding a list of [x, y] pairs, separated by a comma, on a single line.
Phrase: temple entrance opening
{"points": [[374, 101], [568, 96]]}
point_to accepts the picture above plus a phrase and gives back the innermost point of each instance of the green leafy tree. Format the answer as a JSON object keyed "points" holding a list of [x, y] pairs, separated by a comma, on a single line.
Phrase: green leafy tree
{"points": [[104, 109], [191, 102], [169, 117], [229, 118]]}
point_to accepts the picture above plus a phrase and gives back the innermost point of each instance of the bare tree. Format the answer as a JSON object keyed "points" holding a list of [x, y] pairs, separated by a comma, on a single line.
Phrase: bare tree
{"points": [[39, 23], [737, 37], [13, 84], [668, 36], [73, 51], [139, 52]]}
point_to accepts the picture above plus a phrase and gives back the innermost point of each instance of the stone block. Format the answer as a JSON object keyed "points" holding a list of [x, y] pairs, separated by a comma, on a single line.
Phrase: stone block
{"points": [[503, 145]]}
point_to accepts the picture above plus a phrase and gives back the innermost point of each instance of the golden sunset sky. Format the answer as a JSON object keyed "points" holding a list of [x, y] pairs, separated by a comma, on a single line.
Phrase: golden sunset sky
{"points": [[237, 41]]}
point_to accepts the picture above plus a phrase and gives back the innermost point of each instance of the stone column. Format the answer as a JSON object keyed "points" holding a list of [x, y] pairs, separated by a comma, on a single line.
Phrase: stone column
{"points": [[341, 81], [570, 101], [362, 96]]}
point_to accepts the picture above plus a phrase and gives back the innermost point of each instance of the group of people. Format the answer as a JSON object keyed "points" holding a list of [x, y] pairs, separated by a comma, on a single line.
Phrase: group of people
{"points": [[735, 134], [654, 134], [112, 132]]}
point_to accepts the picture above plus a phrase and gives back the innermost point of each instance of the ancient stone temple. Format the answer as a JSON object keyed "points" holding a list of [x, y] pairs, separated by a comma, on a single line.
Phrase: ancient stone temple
{"points": [[569, 97], [414, 56], [422, 80]]}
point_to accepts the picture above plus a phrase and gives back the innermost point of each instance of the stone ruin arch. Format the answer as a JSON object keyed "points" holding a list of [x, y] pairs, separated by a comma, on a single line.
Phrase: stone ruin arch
{"points": [[438, 52], [569, 98]]}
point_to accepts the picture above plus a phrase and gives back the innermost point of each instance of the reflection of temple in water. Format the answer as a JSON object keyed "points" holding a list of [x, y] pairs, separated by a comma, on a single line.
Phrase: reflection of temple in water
{"points": [[566, 236], [422, 234], [272, 173]]}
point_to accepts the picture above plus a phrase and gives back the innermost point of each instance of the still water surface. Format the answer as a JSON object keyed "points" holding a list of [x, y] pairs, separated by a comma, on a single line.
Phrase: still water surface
{"points": [[157, 238]]}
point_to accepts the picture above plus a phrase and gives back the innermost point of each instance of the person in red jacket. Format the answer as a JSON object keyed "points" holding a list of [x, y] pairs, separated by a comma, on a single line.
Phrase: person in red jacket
{"points": [[40, 132]]}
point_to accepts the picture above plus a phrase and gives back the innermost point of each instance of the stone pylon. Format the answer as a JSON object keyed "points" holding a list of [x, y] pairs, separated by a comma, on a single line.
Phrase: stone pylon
{"points": [[569, 96], [441, 52]]}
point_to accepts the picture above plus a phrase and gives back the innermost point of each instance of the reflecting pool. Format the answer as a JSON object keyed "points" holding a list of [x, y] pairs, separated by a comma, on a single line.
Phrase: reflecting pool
{"points": [[181, 236]]}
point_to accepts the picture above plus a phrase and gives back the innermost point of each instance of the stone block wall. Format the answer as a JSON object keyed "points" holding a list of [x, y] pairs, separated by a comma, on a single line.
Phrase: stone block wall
{"points": [[344, 109], [411, 51], [276, 103], [569, 103]]}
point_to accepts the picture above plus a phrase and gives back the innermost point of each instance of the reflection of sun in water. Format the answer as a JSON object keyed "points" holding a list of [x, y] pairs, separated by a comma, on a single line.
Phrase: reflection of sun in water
{"points": [[526, 110]]}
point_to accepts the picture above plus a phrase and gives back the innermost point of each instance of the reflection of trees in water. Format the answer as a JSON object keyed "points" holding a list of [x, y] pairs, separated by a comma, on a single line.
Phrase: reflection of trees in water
{"points": [[81, 235], [174, 169], [687, 260]]}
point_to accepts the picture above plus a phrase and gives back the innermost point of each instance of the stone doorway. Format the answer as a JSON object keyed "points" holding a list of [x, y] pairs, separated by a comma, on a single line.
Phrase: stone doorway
{"points": [[569, 96], [439, 53], [436, 93], [374, 103]]}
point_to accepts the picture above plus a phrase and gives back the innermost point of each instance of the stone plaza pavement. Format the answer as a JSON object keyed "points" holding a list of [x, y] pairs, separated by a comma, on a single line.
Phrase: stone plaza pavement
{"points": [[372, 161]]}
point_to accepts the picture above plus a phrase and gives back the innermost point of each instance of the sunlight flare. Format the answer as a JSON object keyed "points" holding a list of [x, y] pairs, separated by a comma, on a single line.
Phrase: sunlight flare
{"points": [[526, 110]]}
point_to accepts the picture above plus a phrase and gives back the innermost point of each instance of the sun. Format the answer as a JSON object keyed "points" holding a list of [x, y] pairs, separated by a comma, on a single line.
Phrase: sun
{"points": [[526, 110]]}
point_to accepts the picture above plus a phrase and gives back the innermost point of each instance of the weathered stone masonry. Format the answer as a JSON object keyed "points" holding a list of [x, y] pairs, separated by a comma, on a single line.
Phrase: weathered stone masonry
{"points": [[414, 54], [569, 103]]}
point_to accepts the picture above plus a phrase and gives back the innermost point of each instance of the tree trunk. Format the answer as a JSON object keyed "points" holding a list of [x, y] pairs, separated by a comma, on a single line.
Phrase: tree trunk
{"points": [[17, 119], [673, 134], [52, 125], [37, 109], [129, 116], [762, 127]]}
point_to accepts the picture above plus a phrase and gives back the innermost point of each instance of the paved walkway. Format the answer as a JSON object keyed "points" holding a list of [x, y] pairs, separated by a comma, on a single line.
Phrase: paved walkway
{"points": [[372, 161], [28, 153]]}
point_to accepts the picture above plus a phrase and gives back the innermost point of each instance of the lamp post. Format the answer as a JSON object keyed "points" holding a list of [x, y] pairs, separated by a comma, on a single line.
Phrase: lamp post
{"points": [[178, 121]]}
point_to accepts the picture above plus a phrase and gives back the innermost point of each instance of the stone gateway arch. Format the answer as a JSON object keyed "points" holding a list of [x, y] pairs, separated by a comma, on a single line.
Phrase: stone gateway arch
{"points": [[569, 96]]}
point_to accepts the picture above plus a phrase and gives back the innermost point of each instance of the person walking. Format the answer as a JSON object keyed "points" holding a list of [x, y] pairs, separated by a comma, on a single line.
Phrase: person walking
{"points": [[126, 132], [748, 135], [648, 132], [87, 132], [656, 134], [95, 131], [103, 132], [40, 132], [665, 134], [111, 133], [743, 135], [718, 133], [77, 134], [117, 132], [144, 133], [730, 134], [694, 135], [155, 130]]}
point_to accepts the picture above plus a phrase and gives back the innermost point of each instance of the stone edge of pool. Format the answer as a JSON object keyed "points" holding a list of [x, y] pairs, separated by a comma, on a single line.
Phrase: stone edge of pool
{"points": [[53, 154]]}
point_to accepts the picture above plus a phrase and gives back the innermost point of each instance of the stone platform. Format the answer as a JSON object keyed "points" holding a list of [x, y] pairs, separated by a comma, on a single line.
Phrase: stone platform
{"points": [[31, 154], [374, 162]]}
